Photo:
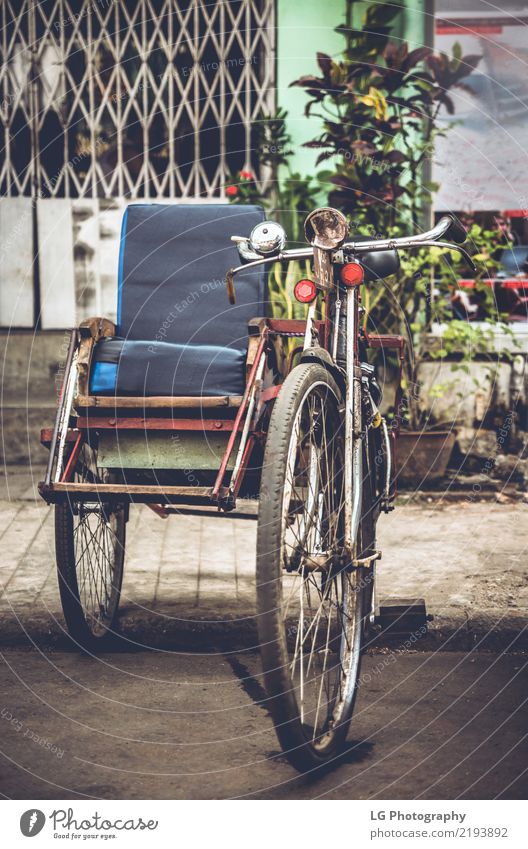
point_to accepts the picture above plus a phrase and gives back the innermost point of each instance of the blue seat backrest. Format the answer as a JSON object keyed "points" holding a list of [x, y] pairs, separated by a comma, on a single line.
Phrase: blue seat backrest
{"points": [[172, 268]]}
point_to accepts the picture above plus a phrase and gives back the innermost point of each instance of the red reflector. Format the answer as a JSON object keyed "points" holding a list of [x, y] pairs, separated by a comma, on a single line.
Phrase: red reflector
{"points": [[305, 291], [352, 274]]}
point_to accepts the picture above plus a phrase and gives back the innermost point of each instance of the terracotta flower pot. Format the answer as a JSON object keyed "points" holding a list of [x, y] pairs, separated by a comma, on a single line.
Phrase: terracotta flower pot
{"points": [[423, 455]]}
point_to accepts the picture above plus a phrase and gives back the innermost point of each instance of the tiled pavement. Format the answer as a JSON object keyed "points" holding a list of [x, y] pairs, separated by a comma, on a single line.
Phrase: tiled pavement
{"points": [[467, 559]]}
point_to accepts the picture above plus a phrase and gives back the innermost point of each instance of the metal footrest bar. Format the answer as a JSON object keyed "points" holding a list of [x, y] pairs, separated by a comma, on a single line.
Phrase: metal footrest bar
{"points": [[141, 493]]}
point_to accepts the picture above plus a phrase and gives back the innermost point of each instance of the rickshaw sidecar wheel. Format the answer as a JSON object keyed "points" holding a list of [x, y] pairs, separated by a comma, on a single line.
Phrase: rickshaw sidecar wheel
{"points": [[310, 602], [90, 550]]}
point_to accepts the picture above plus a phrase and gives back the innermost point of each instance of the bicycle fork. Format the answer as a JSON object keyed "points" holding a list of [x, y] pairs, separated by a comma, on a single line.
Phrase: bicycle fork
{"points": [[353, 426]]}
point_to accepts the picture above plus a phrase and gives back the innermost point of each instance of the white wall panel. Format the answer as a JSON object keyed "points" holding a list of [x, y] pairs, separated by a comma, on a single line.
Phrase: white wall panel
{"points": [[56, 271], [16, 263]]}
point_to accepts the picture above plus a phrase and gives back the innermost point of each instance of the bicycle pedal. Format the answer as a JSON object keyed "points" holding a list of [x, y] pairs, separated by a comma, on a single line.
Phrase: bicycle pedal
{"points": [[403, 616], [367, 561]]}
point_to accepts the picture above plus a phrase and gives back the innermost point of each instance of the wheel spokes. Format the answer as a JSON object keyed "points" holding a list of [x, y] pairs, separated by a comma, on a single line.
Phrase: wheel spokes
{"points": [[315, 586], [96, 552]]}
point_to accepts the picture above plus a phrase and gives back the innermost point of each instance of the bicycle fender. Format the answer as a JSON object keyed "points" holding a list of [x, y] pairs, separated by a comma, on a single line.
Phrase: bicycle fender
{"points": [[322, 357]]}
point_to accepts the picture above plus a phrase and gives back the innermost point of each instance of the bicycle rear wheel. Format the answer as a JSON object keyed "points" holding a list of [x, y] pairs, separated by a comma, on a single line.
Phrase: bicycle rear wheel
{"points": [[90, 552], [310, 601]]}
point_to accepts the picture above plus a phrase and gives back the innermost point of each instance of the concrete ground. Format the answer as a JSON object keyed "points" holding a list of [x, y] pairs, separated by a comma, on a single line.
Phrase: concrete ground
{"points": [[176, 708], [190, 576], [137, 725]]}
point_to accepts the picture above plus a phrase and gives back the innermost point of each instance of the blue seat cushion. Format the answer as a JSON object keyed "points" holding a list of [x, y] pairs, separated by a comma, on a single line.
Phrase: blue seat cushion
{"points": [[130, 367], [177, 334]]}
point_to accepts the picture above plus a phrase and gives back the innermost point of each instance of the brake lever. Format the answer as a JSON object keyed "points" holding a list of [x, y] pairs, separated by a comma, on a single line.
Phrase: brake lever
{"points": [[470, 262], [460, 250], [230, 285]]}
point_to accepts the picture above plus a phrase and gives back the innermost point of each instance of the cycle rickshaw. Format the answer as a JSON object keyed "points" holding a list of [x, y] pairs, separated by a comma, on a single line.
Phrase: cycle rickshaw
{"points": [[285, 411]]}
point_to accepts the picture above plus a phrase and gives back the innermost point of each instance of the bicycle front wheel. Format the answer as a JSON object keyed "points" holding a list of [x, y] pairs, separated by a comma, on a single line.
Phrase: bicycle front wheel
{"points": [[309, 599]]}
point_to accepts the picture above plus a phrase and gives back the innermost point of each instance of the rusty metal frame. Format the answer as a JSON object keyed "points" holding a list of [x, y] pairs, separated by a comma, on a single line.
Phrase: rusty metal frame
{"points": [[127, 423], [250, 387], [87, 425], [397, 343], [393, 342], [254, 398]]}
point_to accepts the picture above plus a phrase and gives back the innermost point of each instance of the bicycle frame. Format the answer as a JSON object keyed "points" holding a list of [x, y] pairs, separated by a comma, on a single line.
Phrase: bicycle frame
{"points": [[353, 426], [324, 258]]}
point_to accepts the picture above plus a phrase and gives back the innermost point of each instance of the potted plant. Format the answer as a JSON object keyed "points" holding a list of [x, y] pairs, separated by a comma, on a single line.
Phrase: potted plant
{"points": [[379, 105], [444, 325]]}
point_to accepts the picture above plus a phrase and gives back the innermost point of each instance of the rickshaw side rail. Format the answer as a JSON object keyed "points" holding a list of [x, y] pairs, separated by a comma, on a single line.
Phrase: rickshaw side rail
{"points": [[385, 340], [152, 402], [90, 423], [55, 493]]}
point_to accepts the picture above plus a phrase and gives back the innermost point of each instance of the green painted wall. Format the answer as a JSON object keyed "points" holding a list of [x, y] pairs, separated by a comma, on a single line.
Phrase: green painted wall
{"points": [[418, 23], [303, 29]]}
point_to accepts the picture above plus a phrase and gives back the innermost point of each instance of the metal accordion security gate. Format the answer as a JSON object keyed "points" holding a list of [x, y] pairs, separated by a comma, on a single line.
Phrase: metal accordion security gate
{"points": [[105, 101]]}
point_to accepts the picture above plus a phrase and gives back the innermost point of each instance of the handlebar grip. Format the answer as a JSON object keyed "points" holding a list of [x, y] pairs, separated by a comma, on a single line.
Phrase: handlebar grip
{"points": [[456, 232], [230, 284]]}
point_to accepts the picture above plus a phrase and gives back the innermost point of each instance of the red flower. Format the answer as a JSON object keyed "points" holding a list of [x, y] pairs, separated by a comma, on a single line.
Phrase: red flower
{"points": [[246, 175], [231, 191]]}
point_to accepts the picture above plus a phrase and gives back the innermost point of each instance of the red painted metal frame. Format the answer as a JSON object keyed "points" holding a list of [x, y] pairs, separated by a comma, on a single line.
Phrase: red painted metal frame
{"points": [[270, 393], [506, 283], [90, 423], [295, 326], [46, 434], [390, 341], [240, 415], [385, 340], [237, 483], [287, 327], [70, 466]]}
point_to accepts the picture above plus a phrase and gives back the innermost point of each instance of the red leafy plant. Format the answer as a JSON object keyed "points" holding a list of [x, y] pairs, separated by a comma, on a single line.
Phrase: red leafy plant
{"points": [[379, 105]]}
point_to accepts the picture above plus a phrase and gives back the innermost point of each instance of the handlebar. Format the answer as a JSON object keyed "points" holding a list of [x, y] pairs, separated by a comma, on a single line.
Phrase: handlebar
{"points": [[447, 226]]}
